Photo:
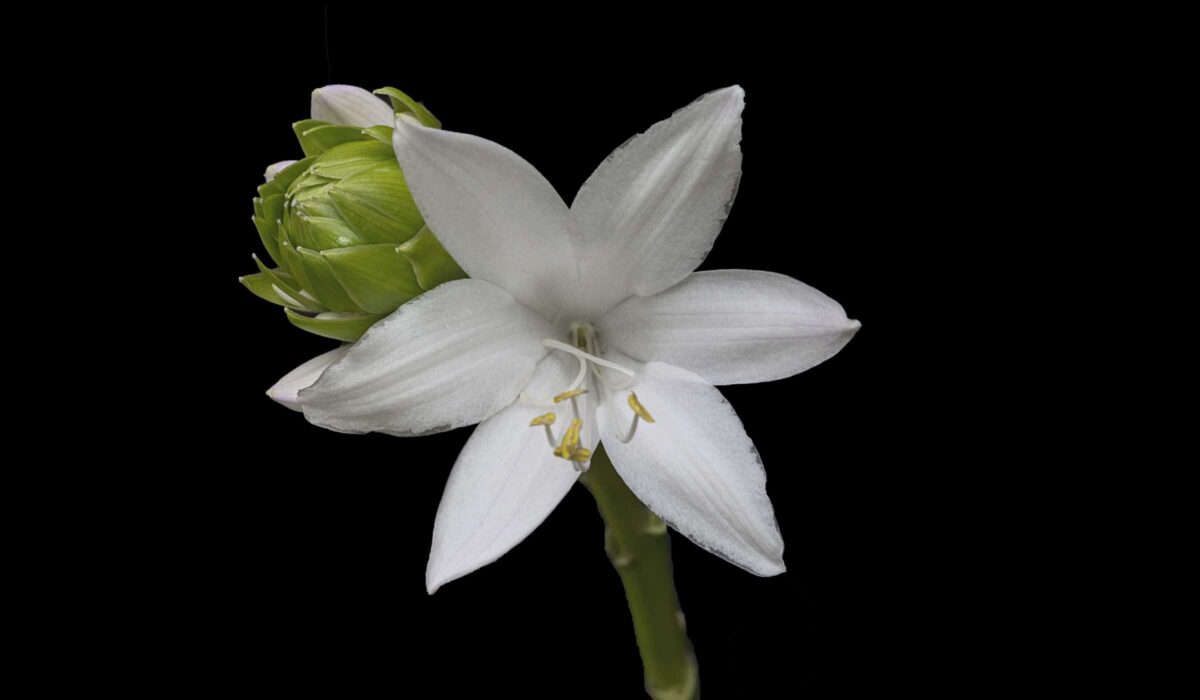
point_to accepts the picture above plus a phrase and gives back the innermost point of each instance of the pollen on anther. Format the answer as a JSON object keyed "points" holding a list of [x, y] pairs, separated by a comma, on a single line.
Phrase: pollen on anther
{"points": [[639, 409], [544, 419], [577, 454], [571, 438], [569, 395], [570, 449]]}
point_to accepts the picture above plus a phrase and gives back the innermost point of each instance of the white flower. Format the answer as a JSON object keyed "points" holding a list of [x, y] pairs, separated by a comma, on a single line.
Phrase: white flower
{"points": [[596, 306]]}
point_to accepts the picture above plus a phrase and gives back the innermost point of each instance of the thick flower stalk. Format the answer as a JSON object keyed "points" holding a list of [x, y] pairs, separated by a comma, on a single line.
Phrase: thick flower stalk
{"points": [[349, 243], [581, 325]]}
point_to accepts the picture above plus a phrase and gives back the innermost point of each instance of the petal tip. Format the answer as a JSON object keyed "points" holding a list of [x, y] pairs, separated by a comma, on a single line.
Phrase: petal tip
{"points": [[772, 557], [284, 397], [770, 562], [434, 580], [733, 93], [332, 88], [319, 99]]}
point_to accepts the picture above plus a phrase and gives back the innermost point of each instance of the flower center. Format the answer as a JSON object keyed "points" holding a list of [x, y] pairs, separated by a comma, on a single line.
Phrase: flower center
{"points": [[594, 371]]}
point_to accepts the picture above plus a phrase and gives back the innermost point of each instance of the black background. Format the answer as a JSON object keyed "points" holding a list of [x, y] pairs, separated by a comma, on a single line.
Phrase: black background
{"points": [[284, 558]]}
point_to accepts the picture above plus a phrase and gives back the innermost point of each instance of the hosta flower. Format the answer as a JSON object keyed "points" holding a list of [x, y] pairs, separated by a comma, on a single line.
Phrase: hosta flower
{"points": [[341, 225], [582, 324]]}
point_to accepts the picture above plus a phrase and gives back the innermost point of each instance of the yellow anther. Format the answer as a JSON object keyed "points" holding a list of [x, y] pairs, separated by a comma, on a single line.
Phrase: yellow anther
{"points": [[571, 437], [570, 449], [639, 409], [569, 395], [544, 419], [579, 454]]}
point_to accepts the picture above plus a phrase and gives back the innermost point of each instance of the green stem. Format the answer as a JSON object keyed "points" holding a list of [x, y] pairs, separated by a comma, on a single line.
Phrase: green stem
{"points": [[639, 548]]}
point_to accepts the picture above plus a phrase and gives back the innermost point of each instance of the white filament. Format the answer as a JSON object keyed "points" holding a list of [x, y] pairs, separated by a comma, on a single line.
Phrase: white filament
{"points": [[589, 357]]}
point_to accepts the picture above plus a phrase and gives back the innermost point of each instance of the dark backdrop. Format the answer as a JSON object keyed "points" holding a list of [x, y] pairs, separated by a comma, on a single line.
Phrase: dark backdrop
{"points": [[289, 559]]}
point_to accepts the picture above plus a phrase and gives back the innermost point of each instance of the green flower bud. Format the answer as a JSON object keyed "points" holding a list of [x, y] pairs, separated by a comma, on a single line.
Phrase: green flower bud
{"points": [[346, 237]]}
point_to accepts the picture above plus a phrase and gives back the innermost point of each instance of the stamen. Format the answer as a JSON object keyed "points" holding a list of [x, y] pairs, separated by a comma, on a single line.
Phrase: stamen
{"points": [[570, 449], [544, 419], [639, 409], [570, 394], [571, 437], [584, 349], [632, 430], [639, 413]]}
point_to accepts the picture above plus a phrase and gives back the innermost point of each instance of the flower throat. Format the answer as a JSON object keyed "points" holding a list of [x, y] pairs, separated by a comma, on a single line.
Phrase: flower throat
{"points": [[592, 368]]}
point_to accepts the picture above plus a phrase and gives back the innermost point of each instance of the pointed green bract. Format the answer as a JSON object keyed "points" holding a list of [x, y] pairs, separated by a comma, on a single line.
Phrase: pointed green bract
{"points": [[263, 287], [344, 327], [322, 233], [288, 289], [320, 281], [278, 276], [352, 195], [377, 277], [381, 199], [381, 224], [349, 244], [267, 233], [404, 103], [430, 261], [272, 207], [318, 140], [284, 178], [383, 134], [353, 158]]}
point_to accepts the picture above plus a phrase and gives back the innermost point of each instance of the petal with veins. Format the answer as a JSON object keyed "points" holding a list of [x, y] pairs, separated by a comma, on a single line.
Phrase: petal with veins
{"points": [[504, 484], [302, 377], [650, 213], [732, 326], [350, 106], [451, 357], [495, 214], [695, 467]]}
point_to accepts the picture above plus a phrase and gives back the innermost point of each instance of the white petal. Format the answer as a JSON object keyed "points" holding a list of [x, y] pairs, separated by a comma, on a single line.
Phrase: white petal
{"points": [[350, 106], [504, 484], [302, 377], [650, 213], [450, 357], [494, 213], [732, 326], [696, 467], [274, 168]]}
